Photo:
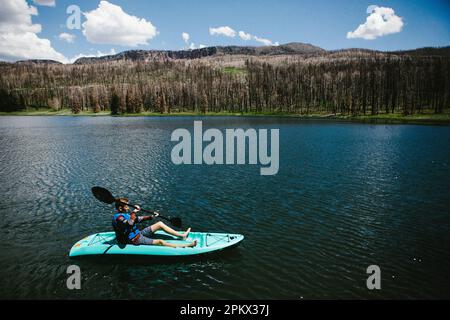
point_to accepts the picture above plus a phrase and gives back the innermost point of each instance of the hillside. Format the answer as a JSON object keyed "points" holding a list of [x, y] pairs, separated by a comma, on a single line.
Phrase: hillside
{"points": [[427, 51], [289, 49], [291, 78], [294, 48]]}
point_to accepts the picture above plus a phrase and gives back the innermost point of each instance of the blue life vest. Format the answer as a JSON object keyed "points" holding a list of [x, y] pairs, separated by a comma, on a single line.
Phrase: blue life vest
{"points": [[124, 232]]}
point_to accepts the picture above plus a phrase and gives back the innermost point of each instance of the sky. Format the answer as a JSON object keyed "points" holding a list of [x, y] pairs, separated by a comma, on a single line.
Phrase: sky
{"points": [[43, 29]]}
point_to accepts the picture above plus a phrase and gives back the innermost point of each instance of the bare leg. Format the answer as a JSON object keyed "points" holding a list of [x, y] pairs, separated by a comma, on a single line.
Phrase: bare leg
{"points": [[169, 230], [159, 242]]}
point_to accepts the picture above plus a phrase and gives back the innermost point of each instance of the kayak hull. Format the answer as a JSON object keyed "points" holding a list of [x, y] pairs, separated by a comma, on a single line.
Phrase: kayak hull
{"points": [[105, 243]]}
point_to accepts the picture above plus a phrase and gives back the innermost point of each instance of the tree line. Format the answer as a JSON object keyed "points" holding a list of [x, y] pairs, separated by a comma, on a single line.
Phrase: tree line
{"points": [[343, 84]]}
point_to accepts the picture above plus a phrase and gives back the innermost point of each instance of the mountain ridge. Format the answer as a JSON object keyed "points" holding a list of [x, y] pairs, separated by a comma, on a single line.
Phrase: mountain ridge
{"points": [[292, 48], [158, 55]]}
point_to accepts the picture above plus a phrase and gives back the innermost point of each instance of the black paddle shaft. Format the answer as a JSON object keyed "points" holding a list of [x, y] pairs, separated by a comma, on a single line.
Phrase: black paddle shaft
{"points": [[105, 196]]}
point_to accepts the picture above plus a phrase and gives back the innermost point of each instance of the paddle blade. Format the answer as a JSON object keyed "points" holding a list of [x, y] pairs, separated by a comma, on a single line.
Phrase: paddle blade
{"points": [[103, 195], [176, 222]]}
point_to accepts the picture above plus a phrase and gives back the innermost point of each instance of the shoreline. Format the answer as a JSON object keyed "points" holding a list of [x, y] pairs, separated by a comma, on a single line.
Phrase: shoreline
{"points": [[425, 118]]}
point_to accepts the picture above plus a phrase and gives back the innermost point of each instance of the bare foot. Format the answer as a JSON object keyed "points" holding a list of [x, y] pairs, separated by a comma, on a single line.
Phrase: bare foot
{"points": [[192, 244], [186, 234]]}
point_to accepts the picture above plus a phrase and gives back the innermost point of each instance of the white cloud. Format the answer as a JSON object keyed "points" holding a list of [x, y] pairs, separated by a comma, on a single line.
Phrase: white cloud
{"points": [[192, 46], [109, 24], [48, 3], [90, 55], [18, 34], [27, 46], [371, 8], [185, 37], [381, 21], [266, 42], [15, 17], [224, 31], [68, 37], [245, 36], [229, 32]]}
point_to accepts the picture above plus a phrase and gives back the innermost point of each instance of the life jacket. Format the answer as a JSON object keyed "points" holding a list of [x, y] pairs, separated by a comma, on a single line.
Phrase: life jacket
{"points": [[124, 232]]}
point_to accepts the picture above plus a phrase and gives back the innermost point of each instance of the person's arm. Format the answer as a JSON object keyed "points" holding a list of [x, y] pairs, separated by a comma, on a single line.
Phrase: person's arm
{"points": [[144, 218], [130, 222]]}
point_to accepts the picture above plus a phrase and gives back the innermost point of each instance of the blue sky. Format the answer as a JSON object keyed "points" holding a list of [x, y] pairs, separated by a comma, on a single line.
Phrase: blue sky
{"points": [[322, 23]]}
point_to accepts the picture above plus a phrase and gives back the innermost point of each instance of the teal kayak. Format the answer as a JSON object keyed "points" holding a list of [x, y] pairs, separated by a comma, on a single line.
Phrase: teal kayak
{"points": [[105, 244]]}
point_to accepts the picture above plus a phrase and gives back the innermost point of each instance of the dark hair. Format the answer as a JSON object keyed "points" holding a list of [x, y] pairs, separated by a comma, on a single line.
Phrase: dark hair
{"points": [[121, 204]]}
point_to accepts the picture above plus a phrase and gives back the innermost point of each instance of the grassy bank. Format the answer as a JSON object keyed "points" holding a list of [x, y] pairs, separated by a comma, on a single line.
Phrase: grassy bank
{"points": [[387, 118], [395, 117]]}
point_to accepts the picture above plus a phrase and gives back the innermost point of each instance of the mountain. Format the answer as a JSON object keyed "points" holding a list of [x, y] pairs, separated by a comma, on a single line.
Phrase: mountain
{"points": [[162, 55], [38, 61], [293, 48], [427, 51], [291, 78]]}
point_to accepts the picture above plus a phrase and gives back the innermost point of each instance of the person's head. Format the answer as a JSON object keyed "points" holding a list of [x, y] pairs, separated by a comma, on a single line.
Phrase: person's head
{"points": [[121, 204]]}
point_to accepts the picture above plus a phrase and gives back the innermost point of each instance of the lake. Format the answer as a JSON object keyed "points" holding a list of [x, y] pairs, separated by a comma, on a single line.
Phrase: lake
{"points": [[346, 196]]}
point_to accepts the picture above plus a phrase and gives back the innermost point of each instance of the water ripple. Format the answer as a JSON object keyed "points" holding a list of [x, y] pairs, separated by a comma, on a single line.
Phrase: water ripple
{"points": [[346, 196]]}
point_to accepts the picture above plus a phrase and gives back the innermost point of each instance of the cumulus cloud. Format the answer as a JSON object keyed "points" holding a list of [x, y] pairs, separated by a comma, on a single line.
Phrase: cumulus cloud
{"points": [[266, 42], [224, 31], [229, 32], [68, 37], [192, 46], [48, 3], [109, 24], [380, 22], [15, 17], [185, 37], [18, 34], [245, 36], [90, 55]]}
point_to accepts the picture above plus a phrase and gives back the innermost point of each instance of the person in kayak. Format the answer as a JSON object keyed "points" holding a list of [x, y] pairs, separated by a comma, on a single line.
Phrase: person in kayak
{"points": [[127, 232]]}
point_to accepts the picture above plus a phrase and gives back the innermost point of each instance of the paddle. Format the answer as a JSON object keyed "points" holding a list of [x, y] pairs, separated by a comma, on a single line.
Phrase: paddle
{"points": [[105, 196]]}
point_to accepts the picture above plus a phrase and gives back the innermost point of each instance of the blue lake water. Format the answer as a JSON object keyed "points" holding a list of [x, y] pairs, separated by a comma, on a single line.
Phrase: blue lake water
{"points": [[347, 195]]}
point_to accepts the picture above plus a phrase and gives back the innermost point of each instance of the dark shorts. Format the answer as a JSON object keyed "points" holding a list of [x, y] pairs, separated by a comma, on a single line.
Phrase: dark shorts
{"points": [[143, 238]]}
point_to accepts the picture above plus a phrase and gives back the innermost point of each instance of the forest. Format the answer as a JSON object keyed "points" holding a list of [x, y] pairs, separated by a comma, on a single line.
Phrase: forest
{"points": [[348, 83]]}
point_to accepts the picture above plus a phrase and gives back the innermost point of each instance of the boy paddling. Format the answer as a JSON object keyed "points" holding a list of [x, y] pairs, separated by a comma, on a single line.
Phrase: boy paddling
{"points": [[127, 231]]}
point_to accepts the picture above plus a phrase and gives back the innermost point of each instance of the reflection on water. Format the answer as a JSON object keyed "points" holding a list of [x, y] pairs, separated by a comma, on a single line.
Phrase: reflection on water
{"points": [[347, 196]]}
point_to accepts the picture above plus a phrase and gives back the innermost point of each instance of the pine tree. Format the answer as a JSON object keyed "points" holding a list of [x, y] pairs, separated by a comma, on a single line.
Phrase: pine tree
{"points": [[115, 104]]}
